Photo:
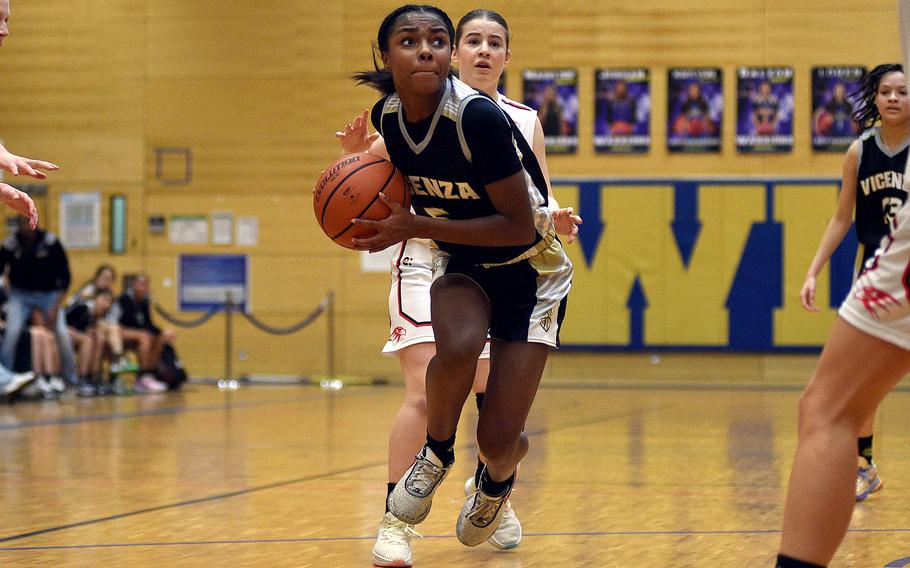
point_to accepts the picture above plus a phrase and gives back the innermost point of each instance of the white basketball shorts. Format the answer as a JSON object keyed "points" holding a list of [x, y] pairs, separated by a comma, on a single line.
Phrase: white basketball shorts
{"points": [[879, 302], [409, 297]]}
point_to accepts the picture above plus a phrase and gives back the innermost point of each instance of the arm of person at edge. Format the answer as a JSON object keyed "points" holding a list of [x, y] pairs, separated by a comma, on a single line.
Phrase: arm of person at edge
{"points": [[836, 229], [20, 202], [564, 220], [18, 165], [58, 255], [511, 225]]}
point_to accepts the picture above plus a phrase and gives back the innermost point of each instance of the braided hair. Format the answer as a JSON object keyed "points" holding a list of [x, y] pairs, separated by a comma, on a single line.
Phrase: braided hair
{"points": [[866, 113]]}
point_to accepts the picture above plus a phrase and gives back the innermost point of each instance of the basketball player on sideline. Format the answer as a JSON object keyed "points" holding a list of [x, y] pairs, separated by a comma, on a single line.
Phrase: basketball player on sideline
{"points": [[867, 353], [17, 200], [499, 267], [482, 38], [872, 185]]}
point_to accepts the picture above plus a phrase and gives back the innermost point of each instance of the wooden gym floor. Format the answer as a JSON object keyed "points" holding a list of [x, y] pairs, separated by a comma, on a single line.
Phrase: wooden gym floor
{"points": [[625, 471]]}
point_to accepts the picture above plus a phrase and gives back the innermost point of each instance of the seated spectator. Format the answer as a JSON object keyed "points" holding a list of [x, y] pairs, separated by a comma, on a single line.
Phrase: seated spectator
{"points": [[135, 318], [83, 319], [45, 361], [104, 278]]}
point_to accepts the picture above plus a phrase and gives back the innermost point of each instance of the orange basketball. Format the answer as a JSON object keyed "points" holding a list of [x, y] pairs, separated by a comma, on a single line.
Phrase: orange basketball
{"points": [[825, 123], [349, 189]]}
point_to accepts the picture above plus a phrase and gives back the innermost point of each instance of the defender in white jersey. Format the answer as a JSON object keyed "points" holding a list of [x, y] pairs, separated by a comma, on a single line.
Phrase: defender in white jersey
{"points": [[871, 193], [482, 39], [866, 355]]}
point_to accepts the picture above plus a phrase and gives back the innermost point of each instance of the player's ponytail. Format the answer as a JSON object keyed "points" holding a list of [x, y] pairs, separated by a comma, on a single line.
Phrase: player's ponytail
{"points": [[866, 113], [380, 78]]}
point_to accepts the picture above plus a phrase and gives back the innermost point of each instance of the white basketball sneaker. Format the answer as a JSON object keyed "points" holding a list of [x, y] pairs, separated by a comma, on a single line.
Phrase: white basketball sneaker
{"points": [[412, 497], [480, 516], [508, 535], [393, 543], [867, 480]]}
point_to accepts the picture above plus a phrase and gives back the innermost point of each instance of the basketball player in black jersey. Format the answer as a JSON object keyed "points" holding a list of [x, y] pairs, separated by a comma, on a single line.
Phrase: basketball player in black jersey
{"points": [[872, 186], [499, 267]]}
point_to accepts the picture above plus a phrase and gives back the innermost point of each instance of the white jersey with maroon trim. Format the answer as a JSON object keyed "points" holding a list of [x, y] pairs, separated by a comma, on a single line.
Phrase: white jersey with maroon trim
{"points": [[524, 116]]}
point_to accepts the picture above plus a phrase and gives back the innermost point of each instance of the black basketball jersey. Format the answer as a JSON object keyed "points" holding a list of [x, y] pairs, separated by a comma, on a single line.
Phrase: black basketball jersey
{"points": [[879, 187], [446, 180]]}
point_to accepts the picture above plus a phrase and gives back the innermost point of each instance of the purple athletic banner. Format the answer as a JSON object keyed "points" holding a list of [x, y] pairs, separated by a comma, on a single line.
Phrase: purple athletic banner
{"points": [[622, 111], [764, 109], [695, 110], [833, 128], [553, 93]]}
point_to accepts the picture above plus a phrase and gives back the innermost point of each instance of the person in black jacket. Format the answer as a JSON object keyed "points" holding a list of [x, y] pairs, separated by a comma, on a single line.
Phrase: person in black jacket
{"points": [[38, 275], [134, 314]]}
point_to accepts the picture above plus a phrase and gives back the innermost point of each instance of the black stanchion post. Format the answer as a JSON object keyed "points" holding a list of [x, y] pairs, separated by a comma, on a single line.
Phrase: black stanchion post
{"points": [[228, 335], [330, 349]]}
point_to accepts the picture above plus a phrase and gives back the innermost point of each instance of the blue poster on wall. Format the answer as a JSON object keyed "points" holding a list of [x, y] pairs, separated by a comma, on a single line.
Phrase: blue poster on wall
{"points": [[553, 93], [833, 91], [764, 110], [205, 280], [622, 110], [695, 109]]}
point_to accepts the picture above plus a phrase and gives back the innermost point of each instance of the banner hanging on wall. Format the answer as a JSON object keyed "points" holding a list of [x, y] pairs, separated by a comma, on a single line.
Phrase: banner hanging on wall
{"points": [[695, 109], [833, 128], [764, 109], [622, 111], [80, 220], [553, 93], [206, 281]]}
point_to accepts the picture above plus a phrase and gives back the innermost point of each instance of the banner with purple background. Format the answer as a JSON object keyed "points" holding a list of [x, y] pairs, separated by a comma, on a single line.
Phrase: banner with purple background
{"points": [[553, 93], [764, 109], [833, 128], [622, 110], [695, 110]]}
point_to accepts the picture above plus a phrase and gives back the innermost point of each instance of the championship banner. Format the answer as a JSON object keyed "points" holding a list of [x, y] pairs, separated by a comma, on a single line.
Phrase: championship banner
{"points": [[553, 93], [833, 128], [622, 111], [695, 109], [764, 109]]}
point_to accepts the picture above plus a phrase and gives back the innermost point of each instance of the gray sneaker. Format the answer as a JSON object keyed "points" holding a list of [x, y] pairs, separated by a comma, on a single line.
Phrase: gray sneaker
{"points": [[508, 535], [480, 516], [412, 497], [57, 384]]}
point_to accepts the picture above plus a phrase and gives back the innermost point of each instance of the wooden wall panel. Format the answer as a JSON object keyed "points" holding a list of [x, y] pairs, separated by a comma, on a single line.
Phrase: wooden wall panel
{"points": [[256, 92]]}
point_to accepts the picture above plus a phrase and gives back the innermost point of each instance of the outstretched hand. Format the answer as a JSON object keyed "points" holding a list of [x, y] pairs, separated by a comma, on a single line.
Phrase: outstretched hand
{"points": [[355, 136], [566, 223], [20, 202], [19, 166], [397, 227]]}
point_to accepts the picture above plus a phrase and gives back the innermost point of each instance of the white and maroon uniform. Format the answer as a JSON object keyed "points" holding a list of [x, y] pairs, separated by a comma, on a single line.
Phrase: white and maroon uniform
{"points": [[879, 302], [412, 267]]}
